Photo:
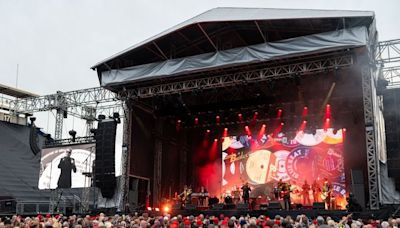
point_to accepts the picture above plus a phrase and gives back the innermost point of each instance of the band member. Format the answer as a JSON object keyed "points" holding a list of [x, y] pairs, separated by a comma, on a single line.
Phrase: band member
{"points": [[316, 189], [67, 164], [246, 192], [236, 195], [326, 193], [305, 193], [186, 195], [203, 195], [285, 194], [279, 188]]}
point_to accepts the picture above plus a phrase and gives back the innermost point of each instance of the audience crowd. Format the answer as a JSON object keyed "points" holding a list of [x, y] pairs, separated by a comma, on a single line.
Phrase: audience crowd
{"points": [[144, 220]]}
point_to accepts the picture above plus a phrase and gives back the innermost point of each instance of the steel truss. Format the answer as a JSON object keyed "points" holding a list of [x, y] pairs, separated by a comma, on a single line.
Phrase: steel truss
{"points": [[370, 140], [271, 73], [388, 59]]}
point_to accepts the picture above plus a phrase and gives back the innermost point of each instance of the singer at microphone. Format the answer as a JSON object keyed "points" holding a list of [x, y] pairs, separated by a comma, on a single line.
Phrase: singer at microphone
{"points": [[67, 164]]}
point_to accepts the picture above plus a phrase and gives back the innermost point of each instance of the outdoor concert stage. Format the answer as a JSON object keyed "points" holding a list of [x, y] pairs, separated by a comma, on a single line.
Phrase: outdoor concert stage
{"points": [[251, 95]]}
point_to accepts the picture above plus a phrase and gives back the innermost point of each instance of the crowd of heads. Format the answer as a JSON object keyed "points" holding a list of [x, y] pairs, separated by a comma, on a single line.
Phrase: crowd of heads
{"points": [[145, 220]]}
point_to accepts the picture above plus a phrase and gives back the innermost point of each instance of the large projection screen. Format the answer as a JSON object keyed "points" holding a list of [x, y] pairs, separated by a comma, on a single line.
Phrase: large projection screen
{"points": [[264, 160], [57, 170]]}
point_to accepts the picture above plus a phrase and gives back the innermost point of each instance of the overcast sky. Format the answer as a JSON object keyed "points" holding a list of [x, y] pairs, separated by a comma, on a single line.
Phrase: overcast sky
{"points": [[56, 42]]}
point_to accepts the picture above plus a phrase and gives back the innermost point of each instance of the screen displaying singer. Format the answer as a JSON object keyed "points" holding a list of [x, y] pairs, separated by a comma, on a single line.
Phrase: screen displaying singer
{"points": [[67, 165]]}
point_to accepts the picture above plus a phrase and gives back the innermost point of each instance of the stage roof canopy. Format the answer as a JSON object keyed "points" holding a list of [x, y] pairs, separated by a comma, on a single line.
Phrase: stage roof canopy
{"points": [[14, 92], [224, 29]]}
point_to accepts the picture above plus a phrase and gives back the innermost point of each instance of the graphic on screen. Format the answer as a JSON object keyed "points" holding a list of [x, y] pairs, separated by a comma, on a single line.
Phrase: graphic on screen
{"points": [[64, 167], [309, 160]]}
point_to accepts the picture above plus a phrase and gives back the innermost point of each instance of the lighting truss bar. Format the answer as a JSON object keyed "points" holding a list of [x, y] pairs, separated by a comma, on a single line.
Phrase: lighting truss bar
{"points": [[392, 75], [68, 142], [266, 74], [388, 51], [64, 100]]}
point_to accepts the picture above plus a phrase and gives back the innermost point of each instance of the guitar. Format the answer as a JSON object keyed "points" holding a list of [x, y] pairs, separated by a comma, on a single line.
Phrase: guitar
{"points": [[325, 194]]}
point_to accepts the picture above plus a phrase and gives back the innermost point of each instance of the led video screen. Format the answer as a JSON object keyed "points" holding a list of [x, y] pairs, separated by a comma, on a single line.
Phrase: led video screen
{"points": [[264, 160], [65, 167]]}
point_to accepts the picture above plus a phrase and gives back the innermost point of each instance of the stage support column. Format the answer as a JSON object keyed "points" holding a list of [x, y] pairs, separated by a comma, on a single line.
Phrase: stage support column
{"points": [[125, 156], [158, 147], [183, 162], [369, 94]]}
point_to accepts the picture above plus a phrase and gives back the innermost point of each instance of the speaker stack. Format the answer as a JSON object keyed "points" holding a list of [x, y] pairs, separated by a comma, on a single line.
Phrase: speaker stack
{"points": [[105, 178]]}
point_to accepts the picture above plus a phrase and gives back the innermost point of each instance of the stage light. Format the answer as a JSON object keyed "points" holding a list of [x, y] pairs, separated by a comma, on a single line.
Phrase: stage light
{"points": [[72, 133], [264, 126], [149, 208], [344, 129], [225, 129], [305, 111], [327, 119], [282, 123], [196, 120], [255, 115], [32, 119], [215, 140], [279, 114], [166, 209], [217, 119], [240, 116], [246, 127], [208, 131], [157, 209]]}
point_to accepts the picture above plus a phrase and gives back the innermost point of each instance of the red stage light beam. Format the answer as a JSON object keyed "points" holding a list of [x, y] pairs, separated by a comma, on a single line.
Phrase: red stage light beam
{"points": [[240, 117], [303, 125], [247, 129], [217, 119], [327, 123], [225, 134], [262, 131], [196, 121], [178, 125], [279, 114], [305, 111]]}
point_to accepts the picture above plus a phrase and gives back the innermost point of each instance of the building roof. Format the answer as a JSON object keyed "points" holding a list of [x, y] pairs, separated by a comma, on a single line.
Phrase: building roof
{"points": [[15, 92], [226, 28]]}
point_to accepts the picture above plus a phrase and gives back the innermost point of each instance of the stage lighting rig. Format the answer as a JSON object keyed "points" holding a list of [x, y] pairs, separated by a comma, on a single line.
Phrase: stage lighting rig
{"points": [[116, 117], [72, 133]]}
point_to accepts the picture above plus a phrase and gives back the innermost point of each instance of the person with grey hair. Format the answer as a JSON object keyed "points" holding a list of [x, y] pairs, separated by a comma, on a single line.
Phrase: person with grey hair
{"points": [[67, 164]]}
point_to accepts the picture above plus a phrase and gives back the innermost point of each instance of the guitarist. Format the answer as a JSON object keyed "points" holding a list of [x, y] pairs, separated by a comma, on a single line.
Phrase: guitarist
{"points": [[186, 195], [326, 193]]}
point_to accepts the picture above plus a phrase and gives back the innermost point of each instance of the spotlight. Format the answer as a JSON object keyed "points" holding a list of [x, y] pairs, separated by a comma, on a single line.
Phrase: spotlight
{"points": [[215, 140], [32, 119], [179, 121], [264, 125], [157, 209], [208, 131], [149, 208], [72, 133], [282, 123], [93, 131], [196, 120], [166, 209], [225, 129], [116, 117]]}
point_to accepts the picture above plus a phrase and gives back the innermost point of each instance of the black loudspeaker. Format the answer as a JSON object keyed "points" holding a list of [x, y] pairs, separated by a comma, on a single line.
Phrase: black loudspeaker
{"points": [[274, 205], [218, 206], [105, 157], [242, 206], [357, 186], [190, 207], [176, 206], [318, 206]]}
